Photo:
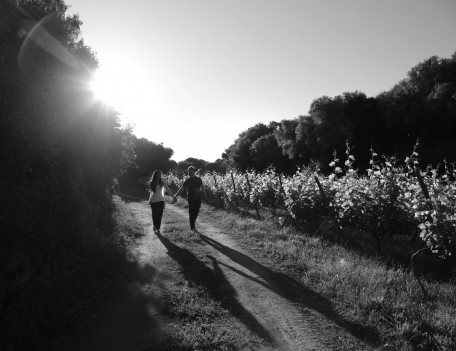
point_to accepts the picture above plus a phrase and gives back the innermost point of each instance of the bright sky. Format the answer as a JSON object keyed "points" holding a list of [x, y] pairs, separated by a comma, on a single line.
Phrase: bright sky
{"points": [[194, 74]]}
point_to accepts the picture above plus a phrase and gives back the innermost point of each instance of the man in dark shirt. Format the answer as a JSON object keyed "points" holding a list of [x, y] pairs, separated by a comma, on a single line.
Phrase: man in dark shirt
{"points": [[194, 187]]}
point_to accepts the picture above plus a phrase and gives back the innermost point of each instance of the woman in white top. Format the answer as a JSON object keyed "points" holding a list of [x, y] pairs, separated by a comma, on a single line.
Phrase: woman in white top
{"points": [[157, 199]]}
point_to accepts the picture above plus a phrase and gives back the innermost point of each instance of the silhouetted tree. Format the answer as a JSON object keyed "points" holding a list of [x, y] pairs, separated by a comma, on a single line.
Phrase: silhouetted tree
{"points": [[182, 166], [219, 166], [422, 105], [290, 144], [238, 155], [265, 152], [149, 157]]}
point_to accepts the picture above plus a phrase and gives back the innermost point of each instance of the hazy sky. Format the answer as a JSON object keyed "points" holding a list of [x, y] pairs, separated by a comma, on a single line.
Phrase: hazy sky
{"points": [[194, 74]]}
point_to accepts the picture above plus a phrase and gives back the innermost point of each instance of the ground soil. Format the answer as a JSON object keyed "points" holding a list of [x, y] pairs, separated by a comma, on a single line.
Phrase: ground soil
{"points": [[270, 310]]}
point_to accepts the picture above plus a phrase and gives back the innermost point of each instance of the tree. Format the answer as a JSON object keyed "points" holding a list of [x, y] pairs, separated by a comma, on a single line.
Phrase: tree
{"points": [[238, 154], [199, 164], [426, 75], [443, 91], [285, 135], [330, 127], [265, 152], [151, 156], [422, 106], [219, 166], [306, 139]]}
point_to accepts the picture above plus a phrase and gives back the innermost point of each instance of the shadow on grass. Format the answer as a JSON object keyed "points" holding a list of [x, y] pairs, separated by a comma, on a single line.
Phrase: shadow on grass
{"points": [[197, 273], [291, 290]]}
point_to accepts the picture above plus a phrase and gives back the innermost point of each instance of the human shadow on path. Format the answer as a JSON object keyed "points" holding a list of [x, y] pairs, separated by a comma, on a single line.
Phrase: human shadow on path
{"points": [[197, 273], [291, 290]]}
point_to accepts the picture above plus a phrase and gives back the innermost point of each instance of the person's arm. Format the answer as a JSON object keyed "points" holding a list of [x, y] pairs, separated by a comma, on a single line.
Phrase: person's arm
{"points": [[167, 190], [180, 190], [151, 193]]}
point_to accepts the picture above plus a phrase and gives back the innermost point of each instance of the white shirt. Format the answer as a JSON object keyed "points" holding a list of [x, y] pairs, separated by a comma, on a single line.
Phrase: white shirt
{"points": [[158, 194]]}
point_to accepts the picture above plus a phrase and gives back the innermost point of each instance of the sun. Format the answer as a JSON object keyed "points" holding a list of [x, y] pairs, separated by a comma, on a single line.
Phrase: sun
{"points": [[109, 87], [119, 86], [130, 86], [101, 88]]}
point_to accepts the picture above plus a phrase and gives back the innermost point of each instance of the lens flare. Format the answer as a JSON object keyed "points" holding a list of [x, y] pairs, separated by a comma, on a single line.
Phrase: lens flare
{"points": [[119, 86]]}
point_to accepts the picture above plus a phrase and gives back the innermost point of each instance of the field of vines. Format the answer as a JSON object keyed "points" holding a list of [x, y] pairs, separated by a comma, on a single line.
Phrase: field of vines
{"points": [[394, 197]]}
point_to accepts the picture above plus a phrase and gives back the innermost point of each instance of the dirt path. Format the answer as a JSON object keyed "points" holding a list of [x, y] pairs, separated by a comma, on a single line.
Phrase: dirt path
{"points": [[272, 310], [285, 314], [282, 313]]}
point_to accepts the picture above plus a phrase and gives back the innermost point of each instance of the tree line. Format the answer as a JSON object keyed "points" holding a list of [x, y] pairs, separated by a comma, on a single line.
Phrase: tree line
{"points": [[149, 156], [421, 106]]}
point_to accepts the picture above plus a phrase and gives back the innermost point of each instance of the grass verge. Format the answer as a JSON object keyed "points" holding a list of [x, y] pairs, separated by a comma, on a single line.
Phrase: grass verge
{"points": [[197, 321]]}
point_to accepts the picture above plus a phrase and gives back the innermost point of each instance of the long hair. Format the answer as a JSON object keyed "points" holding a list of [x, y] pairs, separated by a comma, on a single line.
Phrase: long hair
{"points": [[155, 180]]}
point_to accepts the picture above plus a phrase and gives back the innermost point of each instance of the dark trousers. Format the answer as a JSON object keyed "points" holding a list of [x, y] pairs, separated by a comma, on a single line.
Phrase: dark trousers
{"points": [[157, 213], [193, 210]]}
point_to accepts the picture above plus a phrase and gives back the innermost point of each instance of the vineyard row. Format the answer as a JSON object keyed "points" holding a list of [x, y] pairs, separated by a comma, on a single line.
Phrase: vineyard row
{"points": [[389, 200]]}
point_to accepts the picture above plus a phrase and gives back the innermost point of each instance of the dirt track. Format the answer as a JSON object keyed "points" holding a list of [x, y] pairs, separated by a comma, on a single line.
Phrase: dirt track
{"points": [[274, 311], [281, 312]]}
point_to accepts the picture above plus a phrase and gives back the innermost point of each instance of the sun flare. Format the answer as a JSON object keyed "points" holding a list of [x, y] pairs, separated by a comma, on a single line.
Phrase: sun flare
{"points": [[131, 87], [108, 87], [118, 87]]}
